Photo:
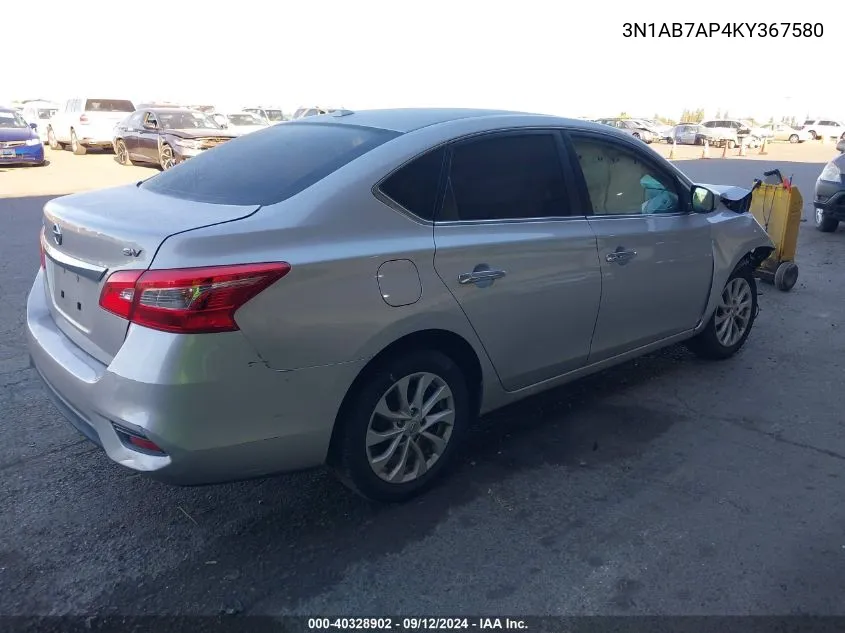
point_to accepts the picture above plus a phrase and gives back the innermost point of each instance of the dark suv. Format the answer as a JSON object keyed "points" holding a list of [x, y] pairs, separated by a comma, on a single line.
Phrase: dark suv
{"points": [[830, 193]]}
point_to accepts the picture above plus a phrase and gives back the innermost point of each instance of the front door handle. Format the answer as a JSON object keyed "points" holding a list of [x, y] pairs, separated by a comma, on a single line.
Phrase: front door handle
{"points": [[481, 278], [620, 256]]}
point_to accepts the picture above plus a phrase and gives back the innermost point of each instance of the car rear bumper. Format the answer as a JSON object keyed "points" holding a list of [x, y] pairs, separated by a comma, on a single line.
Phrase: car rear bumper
{"points": [[207, 400]]}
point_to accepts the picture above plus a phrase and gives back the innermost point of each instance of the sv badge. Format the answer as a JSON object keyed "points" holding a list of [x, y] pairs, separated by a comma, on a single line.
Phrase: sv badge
{"points": [[132, 252]]}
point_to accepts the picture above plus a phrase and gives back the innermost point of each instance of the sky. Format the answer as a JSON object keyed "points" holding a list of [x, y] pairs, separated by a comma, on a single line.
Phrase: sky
{"points": [[564, 58]]}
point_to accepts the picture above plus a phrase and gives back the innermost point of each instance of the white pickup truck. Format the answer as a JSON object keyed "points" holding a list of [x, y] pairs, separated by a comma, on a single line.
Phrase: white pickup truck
{"points": [[83, 123]]}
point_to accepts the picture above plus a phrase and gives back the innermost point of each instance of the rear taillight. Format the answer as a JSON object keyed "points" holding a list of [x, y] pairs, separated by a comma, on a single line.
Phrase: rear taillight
{"points": [[83, 118], [41, 248], [187, 300]]}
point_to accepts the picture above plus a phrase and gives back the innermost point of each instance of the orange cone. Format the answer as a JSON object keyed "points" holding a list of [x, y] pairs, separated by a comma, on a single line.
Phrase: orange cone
{"points": [[763, 147], [725, 149], [742, 148]]}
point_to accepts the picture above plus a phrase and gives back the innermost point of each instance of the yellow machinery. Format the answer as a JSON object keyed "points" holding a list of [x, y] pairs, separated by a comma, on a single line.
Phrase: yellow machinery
{"points": [[778, 207]]}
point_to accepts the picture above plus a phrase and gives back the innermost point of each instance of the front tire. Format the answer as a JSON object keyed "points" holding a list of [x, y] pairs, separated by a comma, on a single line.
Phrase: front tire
{"points": [[794, 138], [731, 323], [75, 146], [403, 427], [52, 141], [166, 158], [824, 222], [731, 144]]}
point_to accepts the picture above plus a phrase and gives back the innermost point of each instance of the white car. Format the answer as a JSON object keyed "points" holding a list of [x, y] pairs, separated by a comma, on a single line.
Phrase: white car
{"points": [[40, 113], [827, 128], [784, 132], [271, 115], [240, 122], [84, 123]]}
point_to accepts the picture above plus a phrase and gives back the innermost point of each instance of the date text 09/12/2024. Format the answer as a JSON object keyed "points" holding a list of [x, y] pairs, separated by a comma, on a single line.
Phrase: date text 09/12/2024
{"points": [[723, 29]]}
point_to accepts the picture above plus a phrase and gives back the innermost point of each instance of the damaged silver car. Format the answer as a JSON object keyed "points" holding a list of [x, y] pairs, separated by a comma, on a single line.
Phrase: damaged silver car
{"points": [[354, 289]]}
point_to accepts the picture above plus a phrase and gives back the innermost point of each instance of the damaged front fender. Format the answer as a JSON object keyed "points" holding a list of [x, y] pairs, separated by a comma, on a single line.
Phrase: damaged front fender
{"points": [[738, 240]]}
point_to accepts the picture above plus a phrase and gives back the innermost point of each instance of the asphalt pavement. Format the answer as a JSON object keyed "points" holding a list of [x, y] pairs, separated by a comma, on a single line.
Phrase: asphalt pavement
{"points": [[668, 485]]}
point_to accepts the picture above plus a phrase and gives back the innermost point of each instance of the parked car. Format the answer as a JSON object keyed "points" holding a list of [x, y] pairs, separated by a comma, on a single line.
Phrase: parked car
{"points": [[692, 134], [19, 140], [304, 112], [784, 132], [166, 136], [829, 200], [631, 128], [322, 292], [827, 128], [661, 130], [271, 115], [240, 122], [83, 123], [727, 131], [39, 113]]}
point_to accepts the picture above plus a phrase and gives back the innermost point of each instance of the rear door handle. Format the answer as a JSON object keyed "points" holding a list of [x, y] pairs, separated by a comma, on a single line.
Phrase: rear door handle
{"points": [[620, 256], [480, 277]]}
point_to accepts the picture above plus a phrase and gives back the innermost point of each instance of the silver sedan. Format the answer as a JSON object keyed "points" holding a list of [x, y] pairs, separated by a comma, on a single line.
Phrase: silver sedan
{"points": [[354, 289]]}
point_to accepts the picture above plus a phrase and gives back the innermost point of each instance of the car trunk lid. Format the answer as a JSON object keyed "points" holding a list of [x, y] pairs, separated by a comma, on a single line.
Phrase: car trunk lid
{"points": [[89, 236]]}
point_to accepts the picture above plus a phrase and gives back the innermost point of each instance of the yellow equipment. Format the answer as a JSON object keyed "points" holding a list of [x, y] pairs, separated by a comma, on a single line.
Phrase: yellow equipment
{"points": [[778, 207]]}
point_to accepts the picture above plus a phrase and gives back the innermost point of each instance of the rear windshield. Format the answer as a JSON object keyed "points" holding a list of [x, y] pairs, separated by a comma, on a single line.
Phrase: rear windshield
{"points": [[267, 166], [108, 105]]}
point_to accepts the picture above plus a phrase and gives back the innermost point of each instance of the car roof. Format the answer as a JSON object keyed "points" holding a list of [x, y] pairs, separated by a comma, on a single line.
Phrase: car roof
{"points": [[409, 119]]}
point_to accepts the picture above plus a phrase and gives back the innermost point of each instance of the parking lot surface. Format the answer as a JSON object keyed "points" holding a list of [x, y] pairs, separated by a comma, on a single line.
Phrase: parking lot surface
{"points": [[667, 485]]}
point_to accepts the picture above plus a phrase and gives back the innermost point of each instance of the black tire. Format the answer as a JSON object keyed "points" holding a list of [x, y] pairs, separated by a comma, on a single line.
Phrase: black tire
{"points": [[350, 460], [52, 141], [824, 222], [75, 146], [707, 344], [786, 276], [163, 157], [122, 153], [636, 136], [731, 144], [813, 135], [793, 138]]}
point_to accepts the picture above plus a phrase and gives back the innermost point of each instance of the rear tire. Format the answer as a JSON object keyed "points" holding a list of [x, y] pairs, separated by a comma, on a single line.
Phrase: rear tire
{"points": [[731, 323], [824, 222], [358, 459], [75, 146], [731, 144], [122, 153], [813, 135]]}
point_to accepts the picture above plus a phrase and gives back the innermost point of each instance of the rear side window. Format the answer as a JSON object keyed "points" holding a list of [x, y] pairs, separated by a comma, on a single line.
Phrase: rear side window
{"points": [[108, 105], [415, 185], [501, 177], [268, 166]]}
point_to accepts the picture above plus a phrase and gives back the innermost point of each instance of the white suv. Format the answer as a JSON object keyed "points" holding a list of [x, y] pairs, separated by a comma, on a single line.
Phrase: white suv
{"points": [[85, 122], [827, 128]]}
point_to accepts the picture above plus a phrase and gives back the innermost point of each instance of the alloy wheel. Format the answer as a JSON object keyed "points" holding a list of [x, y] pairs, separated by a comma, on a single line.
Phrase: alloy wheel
{"points": [[410, 427], [733, 314], [121, 152], [166, 158]]}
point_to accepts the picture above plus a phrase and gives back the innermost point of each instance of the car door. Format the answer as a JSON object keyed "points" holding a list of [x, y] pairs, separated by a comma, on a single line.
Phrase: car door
{"points": [[131, 130], [655, 254], [524, 270], [688, 135], [147, 144]]}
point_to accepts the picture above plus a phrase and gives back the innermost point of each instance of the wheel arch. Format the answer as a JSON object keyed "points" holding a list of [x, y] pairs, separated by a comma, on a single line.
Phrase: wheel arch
{"points": [[453, 345]]}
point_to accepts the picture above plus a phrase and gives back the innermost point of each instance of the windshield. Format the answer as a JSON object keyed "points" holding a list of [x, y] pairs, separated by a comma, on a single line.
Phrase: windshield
{"points": [[274, 115], [185, 120], [269, 166], [11, 120], [244, 118], [109, 105]]}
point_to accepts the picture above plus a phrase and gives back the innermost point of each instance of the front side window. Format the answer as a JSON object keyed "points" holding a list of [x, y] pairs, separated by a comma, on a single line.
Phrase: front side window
{"points": [[619, 182], [150, 120], [502, 177]]}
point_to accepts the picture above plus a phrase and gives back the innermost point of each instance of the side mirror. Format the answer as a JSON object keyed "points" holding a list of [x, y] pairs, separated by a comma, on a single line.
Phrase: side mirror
{"points": [[840, 146], [34, 126], [703, 200]]}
